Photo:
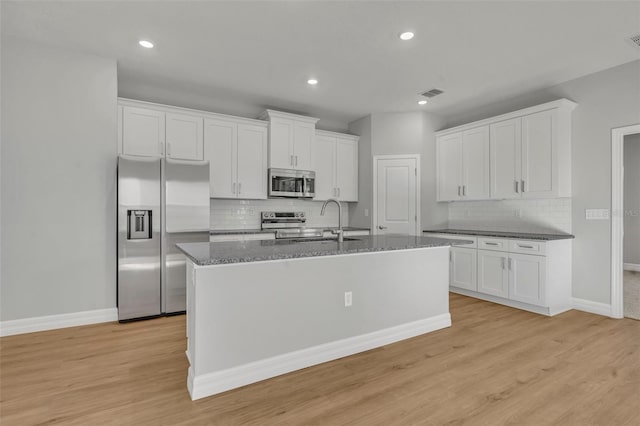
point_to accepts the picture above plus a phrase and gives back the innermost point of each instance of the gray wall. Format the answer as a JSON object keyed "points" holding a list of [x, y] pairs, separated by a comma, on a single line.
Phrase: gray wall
{"points": [[58, 181], [607, 99], [357, 216], [392, 134], [632, 199]]}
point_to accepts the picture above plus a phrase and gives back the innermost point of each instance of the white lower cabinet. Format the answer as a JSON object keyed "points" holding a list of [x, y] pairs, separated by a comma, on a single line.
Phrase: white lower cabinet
{"points": [[527, 276], [464, 268], [505, 273], [493, 276]]}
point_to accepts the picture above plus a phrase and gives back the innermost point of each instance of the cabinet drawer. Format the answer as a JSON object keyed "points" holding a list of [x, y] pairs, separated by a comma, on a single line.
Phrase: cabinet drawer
{"points": [[493, 244], [527, 247], [456, 237]]}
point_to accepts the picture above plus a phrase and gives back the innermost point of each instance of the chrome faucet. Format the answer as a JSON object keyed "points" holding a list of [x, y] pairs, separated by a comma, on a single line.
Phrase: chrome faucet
{"points": [[339, 230]]}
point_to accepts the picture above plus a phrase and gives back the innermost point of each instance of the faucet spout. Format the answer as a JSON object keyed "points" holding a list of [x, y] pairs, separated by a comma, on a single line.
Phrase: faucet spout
{"points": [[339, 230]]}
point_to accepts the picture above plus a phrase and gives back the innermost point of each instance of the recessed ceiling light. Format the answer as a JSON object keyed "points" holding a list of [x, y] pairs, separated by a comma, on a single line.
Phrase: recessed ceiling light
{"points": [[145, 43], [407, 35], [312, 81], [422, 102]]}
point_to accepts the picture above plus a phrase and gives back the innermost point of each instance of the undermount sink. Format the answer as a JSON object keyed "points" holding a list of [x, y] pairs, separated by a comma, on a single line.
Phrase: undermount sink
{"points": [[319, 240]]}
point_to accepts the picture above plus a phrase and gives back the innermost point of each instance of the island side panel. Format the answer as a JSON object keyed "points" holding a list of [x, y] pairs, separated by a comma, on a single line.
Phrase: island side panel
{"points": [[249, 312]]}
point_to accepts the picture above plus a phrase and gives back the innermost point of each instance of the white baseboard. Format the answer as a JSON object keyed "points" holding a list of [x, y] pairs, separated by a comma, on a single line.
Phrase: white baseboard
{"points": [[632, 267], [51, 322], [592, 307], [231, 378]]}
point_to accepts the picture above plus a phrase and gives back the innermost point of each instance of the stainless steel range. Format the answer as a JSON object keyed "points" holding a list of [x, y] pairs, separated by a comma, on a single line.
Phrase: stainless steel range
{"points": [[289, 225]]}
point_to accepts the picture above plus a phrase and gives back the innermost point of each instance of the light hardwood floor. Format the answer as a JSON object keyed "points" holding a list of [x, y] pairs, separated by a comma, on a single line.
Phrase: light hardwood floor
{"points": [[495, 366]]}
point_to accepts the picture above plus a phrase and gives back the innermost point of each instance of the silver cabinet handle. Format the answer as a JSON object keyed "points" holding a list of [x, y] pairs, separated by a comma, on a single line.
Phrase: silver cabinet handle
{"points": [[527, 247], [233, 188], [382, 227], [458, 190], [502, 262], [296, 161], [168, 148], [516, 182], [490, 244], [522, 186], [464, 190], [509, 263], [450, 256], [338, 192], [239, 187], [291, 160], [160, 148]]}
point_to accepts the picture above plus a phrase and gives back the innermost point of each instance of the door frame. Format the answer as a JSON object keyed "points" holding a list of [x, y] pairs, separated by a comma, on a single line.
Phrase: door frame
{"points": [[617, 216], [374, 220]]}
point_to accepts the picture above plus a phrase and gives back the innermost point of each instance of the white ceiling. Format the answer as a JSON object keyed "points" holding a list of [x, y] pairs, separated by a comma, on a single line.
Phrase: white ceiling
{"points": [[263, 52]]}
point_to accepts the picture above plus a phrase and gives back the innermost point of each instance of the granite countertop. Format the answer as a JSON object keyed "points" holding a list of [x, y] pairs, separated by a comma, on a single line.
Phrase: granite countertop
{"points": [[500, 234], [266, 231], [254, 251]]}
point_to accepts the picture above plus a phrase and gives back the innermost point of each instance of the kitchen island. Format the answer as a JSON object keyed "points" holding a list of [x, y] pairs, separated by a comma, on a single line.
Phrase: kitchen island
{"points": [[258, 309]]}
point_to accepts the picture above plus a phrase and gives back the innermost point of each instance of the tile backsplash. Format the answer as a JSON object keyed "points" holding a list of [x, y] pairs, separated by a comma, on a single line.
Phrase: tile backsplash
{"points": [[548, 215], [245, 214]]}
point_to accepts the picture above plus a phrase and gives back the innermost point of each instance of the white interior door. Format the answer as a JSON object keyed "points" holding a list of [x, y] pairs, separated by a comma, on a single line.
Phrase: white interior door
{"points": [[396, 196]]}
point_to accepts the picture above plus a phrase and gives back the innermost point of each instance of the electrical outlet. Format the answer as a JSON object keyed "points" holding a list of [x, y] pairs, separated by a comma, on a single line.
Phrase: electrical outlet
{"points": [[597, 214], [366, 212], [348, 298]]}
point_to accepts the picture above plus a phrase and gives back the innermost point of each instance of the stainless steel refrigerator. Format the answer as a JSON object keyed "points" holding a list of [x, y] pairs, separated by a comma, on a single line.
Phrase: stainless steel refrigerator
{"points": [[160, 203]]}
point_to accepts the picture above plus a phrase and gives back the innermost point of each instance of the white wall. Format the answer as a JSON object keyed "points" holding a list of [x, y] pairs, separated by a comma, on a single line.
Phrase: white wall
{"points": [[58, 181], [632, 199], [607, 99], [399, 133]]}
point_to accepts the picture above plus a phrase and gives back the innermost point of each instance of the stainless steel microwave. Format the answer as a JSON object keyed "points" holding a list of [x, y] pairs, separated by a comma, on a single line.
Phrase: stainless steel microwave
{"points": [[292, 183]]}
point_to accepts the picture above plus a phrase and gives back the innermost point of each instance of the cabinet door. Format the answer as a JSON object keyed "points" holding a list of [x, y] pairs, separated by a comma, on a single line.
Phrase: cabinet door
{"points": [[325, 167], [464, 268], [252, 162], [527, 276], [281, 143], [303, 140], [220, 149], [347, 169], [449, 153], [475, 164], [539, 172], [184, 137], [505, 159], [493, 275], [142, 132]]}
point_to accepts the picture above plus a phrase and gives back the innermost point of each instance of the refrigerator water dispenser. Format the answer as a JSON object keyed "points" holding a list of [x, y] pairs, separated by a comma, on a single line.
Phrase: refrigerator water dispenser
{"points": [[139, 224]]}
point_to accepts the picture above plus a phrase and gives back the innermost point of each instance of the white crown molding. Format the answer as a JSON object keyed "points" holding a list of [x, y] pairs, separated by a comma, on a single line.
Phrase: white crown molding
{"points": [[270, 113], [52, 322], [213, 383], [329, 133], [560, 103]]}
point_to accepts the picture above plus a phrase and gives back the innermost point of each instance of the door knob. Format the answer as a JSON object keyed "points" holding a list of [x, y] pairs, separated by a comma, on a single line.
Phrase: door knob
{"points": [[382, 227]]}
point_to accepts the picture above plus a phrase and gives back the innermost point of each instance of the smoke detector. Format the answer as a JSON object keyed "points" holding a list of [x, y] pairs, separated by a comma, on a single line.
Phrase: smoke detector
{"points": [[634, 40], [431, 93]]}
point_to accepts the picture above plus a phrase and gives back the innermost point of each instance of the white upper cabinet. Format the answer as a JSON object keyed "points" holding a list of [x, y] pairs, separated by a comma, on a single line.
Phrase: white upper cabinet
{"points": [[529, 155], [539, 156], [505, 158], [252, 161], [463, 165], [184, 137], [336, 166], [237, 155], [475, 164], [449, 166], [152, 132], [291, 140], [143, 132], [220, 149]]}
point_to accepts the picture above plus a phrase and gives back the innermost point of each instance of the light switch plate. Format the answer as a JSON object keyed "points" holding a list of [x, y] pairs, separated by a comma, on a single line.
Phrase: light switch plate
{"points": [[597, 214]]}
